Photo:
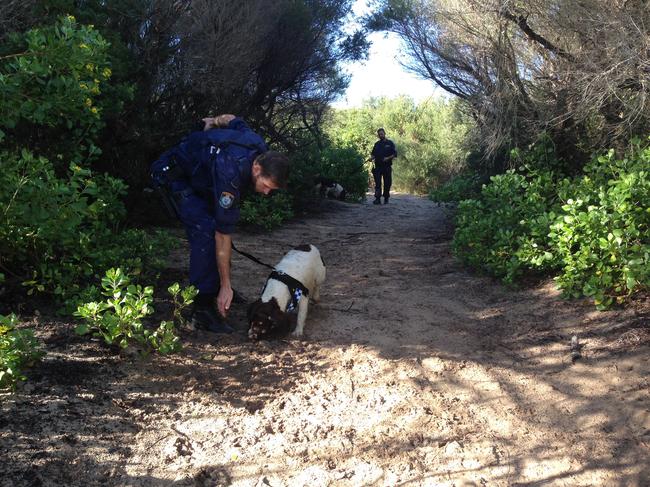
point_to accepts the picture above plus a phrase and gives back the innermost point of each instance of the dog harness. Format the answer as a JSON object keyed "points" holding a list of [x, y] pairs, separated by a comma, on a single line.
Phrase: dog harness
{"points": [[296, 288]]}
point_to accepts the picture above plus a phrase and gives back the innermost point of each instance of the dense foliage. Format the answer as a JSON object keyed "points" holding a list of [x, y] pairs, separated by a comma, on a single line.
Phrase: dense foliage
{"points": [[18, 349], [60, 223], [591, 231], [342, 164], [462, 186], [602, 235], [266, 212], [504, 232], [50, 84], [59, 233], [430, 138]]}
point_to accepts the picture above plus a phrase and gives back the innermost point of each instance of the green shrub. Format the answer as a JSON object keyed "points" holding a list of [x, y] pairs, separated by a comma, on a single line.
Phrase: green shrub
{"points": [[18, 349], [61, 233], [345, 166], [182, 298], [602, 236], [50, 81], [118, 319], [342, 164], [60, 224], [505, 231], [592, 231], [266, 211], [461, 187]]}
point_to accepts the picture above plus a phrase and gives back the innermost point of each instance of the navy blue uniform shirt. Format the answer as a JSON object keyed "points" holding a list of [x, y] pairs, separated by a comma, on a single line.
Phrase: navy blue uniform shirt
{"points": [[215, 165], [381, 149]]}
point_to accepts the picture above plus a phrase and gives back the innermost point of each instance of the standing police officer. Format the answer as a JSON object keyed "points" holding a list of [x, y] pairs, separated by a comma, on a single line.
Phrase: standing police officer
{"points": [[383, 154], [206, 175]]}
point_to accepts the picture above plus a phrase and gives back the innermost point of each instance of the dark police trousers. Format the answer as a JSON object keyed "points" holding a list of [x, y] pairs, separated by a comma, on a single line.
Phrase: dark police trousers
{"points": [[385, 172], [197, 215]]}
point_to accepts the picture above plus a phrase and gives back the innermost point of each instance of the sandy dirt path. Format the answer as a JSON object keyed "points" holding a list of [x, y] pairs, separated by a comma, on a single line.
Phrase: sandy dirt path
{"points": [[412, 372]]}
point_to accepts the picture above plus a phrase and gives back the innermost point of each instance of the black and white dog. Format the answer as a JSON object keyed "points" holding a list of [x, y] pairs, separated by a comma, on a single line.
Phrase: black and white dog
{"points": [[330, 188], [296, 279]]}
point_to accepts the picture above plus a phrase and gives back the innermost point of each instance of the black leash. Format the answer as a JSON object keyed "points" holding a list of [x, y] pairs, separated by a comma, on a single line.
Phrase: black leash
{"points": [[251, 257]]}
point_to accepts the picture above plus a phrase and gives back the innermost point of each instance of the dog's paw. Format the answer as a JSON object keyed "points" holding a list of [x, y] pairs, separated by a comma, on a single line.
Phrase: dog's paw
{"points": [[297, 332]]}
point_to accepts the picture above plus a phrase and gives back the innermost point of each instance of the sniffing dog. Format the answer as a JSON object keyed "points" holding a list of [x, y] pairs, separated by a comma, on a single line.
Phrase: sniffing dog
{"points": [[330, 188], [296, 279]]}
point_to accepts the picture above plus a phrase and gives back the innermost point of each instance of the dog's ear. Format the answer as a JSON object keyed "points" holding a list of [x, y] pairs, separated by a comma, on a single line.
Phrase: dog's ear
{"points": [[274, 311], [252, 309], [291, 321]]}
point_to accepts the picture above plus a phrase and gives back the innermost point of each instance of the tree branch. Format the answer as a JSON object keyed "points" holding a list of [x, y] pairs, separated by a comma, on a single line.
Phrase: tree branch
{"points": [[522, 23]]}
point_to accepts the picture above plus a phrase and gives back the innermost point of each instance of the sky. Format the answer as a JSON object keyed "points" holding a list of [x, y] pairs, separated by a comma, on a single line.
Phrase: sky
{"points": [[381, 74]]}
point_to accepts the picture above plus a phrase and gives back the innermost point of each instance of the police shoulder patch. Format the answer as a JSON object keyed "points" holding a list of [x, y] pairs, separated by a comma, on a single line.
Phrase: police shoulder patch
{"points": [[226, 200]]}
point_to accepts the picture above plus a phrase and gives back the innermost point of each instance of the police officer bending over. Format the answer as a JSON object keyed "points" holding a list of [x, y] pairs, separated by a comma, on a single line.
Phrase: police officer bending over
{"points": [[206, 174]]}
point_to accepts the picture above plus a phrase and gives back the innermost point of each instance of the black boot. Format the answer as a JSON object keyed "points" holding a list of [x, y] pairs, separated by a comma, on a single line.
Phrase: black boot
{"points": [[377, 201], [205, 317], [385, 200]]}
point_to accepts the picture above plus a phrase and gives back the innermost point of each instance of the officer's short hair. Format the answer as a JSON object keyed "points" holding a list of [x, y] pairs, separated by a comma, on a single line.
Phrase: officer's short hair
{"points": [[275, 166], [381, 130]]}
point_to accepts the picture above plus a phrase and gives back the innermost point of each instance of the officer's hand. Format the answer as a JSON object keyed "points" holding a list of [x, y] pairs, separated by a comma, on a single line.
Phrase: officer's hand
{"points": [[224, 299], [208, 123], [223, 120], [220, 121]]}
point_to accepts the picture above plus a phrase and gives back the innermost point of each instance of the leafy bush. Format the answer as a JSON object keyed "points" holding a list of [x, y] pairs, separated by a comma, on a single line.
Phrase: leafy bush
{"points": [[593, 231], [266, 211], [18, 349], [182, 298], [118, 319], [458, 188], [505, 231], [50, 81], [60, 224], [345, 165], [602, 236], [61, 233]]}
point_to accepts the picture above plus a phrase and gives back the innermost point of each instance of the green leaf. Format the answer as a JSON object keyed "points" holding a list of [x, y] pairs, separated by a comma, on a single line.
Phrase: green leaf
{"points": [[630, 283], [82, 329]]}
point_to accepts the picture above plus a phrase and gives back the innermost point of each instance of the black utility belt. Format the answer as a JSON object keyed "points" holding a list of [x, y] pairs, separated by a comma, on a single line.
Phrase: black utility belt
{"points": [[187, 192]]}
